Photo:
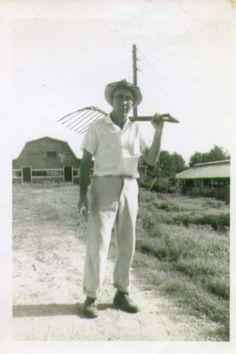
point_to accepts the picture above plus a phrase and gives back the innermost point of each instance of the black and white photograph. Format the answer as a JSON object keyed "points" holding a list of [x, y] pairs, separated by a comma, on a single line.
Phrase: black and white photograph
{"points": [[117, 153]]}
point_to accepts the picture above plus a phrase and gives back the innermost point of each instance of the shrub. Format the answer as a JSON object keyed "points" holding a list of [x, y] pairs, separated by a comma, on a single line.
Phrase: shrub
{"points": [[193, 262], [195, 267], [163, 205], [162, 185], [145, 181], [216, 204], [167, 248], [218, 222], [167, 206], [159, 251], [219, 287], [150, 222], [222, 193]]}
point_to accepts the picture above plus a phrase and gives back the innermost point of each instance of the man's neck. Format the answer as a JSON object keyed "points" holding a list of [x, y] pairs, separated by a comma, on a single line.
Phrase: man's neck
{"points": [[119, 119]]}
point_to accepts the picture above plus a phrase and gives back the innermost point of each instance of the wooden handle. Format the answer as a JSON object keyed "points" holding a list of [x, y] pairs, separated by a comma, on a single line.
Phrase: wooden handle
{"points": [[164, 117]]}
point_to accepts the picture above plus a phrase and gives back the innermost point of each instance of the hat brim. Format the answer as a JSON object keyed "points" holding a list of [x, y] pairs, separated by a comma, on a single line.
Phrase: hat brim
{"points": [[112, 87]]}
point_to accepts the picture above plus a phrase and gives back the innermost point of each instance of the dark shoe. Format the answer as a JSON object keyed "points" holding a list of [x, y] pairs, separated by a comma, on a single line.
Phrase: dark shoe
{"points": [[90, 308], [122, 301]]}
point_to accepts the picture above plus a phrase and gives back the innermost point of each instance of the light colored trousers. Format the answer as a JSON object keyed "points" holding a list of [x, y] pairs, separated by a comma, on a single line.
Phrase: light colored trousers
{"points": [[113, 201]]}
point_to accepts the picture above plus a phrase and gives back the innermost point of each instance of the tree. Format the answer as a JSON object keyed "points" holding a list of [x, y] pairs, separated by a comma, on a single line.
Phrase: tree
{"points": [[215, 154], [196, 158], [169, 164], [179, 162]]}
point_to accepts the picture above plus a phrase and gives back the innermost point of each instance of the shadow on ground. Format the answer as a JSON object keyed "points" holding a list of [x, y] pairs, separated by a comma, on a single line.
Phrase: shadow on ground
{"points": [[53, 310]]}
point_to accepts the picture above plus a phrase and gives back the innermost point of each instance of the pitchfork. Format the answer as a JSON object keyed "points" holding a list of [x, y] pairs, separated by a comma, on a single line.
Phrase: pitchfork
{"points": [[80, 120]]}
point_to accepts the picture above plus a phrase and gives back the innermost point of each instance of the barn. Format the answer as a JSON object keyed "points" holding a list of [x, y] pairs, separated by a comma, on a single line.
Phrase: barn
{"points": [[46, 159], [209, 176]]}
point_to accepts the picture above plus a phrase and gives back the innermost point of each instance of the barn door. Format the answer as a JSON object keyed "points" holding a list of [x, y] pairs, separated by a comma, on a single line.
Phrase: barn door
{"points": [[26, 174], [68, 173]]}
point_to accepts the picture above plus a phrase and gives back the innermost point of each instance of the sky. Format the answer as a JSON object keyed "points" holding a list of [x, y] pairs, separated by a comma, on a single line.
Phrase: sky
{"points": [[65, 52]]}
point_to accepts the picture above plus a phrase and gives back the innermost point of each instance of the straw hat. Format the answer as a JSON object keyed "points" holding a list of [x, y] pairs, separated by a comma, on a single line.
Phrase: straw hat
{"points": [[110, 89]]}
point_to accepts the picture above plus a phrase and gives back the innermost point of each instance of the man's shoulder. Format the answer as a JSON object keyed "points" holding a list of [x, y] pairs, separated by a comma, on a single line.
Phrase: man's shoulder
{"points": [[97, 123], [135, 125]]}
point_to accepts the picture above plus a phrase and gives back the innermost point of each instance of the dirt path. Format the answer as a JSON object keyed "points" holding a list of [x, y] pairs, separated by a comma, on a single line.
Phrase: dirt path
{"points": [[47, 284]]}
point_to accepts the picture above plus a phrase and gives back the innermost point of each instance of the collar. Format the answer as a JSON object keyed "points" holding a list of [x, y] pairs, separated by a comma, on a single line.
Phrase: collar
{"points": [[109, 121]]}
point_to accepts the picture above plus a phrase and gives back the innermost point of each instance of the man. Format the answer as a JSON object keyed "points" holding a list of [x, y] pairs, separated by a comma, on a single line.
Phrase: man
{"points": [[116, 144]]}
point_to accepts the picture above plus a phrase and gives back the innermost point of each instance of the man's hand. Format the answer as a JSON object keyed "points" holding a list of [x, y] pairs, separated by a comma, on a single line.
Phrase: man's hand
{"points": [[158, 122], [83, 207]]}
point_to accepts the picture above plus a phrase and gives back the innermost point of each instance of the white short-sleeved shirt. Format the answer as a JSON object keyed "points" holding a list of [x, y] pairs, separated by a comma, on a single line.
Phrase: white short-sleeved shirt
{"points": [[116, 151]]}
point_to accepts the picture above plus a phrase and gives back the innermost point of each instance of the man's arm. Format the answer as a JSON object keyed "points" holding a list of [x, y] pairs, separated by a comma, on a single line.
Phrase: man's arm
{"points": [[151, 155], [86, 164]]}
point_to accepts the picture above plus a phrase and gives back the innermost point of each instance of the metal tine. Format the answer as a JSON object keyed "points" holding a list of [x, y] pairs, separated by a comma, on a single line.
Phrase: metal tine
{"points": [[80, 114], [79, 117], [71, 114], [79, 129], [74, 117], [84, 129], [91, 108], [97, 109], [86, 124], [92, 115], [67, 118], [84, 120], [90, 119]]}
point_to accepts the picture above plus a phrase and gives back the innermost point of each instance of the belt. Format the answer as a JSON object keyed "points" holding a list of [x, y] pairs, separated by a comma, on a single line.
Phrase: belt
{"points": [[128, 177], [121, 176]]}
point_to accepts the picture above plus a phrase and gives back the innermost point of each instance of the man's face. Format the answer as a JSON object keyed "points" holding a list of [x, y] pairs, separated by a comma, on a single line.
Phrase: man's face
{"points": [[122, 101]]}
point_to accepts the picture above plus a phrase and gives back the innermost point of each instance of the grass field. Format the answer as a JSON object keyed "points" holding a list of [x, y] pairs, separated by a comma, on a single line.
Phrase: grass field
{"points": [[182, 245], [183, 252]]}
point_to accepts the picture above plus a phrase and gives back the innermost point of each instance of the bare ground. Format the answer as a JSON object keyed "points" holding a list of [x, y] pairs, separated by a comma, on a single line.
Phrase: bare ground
{"points": [[48, 260]]}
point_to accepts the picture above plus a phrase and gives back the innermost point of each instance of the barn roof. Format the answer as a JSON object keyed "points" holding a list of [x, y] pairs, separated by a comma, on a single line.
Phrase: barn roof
{"points": [[45, 138], [215, 169], [28, 143]]}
